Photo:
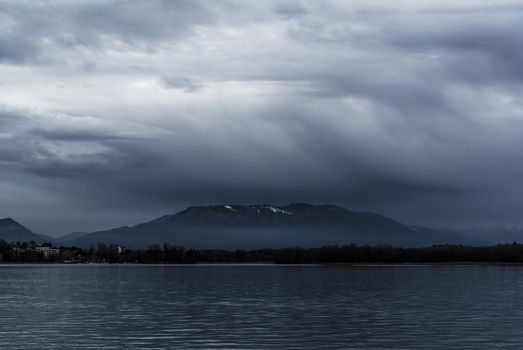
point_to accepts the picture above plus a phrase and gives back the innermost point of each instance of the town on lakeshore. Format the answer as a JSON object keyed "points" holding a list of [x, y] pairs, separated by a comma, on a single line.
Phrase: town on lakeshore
{"points": [[31, 252]]}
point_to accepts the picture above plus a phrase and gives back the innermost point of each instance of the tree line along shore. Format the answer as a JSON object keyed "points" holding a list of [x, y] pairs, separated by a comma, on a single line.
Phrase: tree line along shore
{"points": [[30, 252]]}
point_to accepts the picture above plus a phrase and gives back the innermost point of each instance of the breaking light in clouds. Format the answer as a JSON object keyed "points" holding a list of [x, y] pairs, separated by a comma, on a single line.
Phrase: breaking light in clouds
{"points": [[114, 112]]}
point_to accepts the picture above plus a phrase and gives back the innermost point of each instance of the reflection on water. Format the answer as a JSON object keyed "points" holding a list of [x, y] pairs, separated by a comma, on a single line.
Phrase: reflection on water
{"points": [[269, 307]]}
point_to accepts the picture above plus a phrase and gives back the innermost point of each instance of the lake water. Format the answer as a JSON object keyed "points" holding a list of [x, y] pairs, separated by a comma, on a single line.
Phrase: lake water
{"points": [[266, 307]]}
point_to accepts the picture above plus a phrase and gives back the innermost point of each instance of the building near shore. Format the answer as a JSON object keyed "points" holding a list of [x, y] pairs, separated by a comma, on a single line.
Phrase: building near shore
{"points": [[48, 251]]}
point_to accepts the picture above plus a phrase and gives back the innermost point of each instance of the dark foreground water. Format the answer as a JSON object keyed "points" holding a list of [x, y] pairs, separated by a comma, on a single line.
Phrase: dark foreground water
{"points": [[269, 307]]}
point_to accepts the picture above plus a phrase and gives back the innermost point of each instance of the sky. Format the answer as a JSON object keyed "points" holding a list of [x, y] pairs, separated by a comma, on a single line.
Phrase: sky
{"points": [[117, 112]]}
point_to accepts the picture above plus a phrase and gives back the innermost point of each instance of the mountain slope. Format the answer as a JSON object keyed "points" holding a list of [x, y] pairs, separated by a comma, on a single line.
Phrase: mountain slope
{"points": [[12, 231], [261, 226], [68, 237]]}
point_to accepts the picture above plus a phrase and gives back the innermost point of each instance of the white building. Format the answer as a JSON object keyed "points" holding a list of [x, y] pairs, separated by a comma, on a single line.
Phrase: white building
{"points": [[48, 251]]}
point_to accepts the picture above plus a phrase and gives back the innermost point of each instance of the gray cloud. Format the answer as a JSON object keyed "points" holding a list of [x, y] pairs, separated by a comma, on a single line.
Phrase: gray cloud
{"points": [[185, 84], [413, 111], [33, 31]]}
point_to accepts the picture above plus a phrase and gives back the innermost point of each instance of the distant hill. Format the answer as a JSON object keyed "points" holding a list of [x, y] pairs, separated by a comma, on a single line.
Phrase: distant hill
{"points": [[68, 237], [12, 231], [262, 226]]}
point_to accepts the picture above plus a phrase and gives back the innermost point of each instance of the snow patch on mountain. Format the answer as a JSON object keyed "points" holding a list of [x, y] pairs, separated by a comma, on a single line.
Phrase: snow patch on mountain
{"points": [[278, 210], [229, 207]]}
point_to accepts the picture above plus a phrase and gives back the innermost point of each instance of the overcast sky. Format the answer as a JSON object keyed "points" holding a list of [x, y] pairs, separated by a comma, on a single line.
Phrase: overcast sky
{"points": [[116, 112]]}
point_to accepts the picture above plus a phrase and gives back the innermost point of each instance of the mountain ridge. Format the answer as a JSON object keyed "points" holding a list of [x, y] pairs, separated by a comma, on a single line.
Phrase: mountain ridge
{"points": [[233, 226], [12, 231]]}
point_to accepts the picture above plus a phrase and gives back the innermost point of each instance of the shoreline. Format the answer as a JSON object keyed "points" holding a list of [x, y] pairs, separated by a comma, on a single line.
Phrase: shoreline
{"points": [[267, 264]]}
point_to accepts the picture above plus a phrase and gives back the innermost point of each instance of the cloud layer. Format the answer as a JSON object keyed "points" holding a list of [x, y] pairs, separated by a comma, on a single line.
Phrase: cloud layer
{"points": [[113, 112]]}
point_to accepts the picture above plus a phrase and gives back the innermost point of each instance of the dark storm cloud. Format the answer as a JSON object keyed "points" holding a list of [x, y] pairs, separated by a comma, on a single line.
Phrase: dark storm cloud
{"points": [[484, 53], [114, 112]]}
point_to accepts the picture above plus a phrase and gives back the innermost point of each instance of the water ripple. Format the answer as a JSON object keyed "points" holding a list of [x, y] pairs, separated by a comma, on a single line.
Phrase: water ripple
{"points": [[265, 307]]}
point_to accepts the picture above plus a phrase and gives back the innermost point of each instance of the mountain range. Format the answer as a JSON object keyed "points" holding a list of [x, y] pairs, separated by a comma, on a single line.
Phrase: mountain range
{"points": [[11, 231], [252, 227]]}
